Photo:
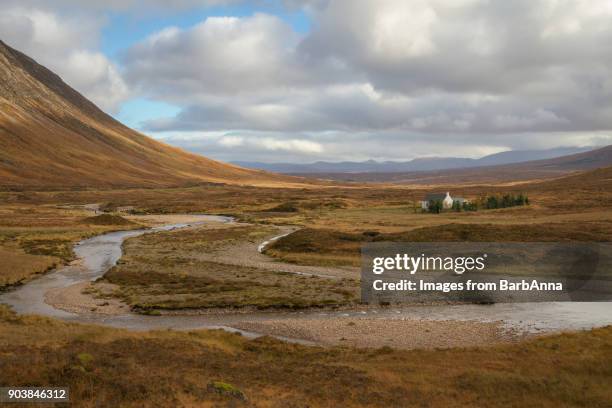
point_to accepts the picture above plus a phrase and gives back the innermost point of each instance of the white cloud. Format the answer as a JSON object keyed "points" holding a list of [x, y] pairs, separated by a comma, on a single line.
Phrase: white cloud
{"points": [[392, 79], [231, 141], [427, 67], [65, 45], [268, 146], [97, 77], [293, 145], [221, 55]]}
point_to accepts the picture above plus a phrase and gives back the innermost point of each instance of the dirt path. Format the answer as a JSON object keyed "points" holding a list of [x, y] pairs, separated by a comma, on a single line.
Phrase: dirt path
{"points": [[247, 254]]}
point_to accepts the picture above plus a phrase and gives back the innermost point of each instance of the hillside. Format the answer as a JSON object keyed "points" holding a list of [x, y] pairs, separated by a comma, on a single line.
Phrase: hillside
{"points": [[51, 137], [530, 170]]}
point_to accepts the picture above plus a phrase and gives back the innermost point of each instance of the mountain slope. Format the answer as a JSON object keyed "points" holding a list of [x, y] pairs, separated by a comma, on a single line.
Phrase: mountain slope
{"points": [[51, 136], [418, 164]]}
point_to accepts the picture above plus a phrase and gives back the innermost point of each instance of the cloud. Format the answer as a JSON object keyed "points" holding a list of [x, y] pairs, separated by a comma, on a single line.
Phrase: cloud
{"points": [[66, 45], [294, 145], [226, 56], [231, 146], [271, 143], [387, 145], [393, 79], [464, 70], [231, 141], [97, 77]]}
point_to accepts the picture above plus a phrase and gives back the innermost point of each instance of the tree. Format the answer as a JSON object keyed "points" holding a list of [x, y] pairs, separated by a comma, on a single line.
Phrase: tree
{"points": [[435, 206], [492, 202], [507, 201]]}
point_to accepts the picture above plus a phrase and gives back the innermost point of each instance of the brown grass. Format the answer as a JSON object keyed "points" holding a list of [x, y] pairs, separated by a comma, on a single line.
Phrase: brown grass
{"points": [[106, 367], [331, 247], [106, 219], [18, 266], [576, 208], [163, 271]]}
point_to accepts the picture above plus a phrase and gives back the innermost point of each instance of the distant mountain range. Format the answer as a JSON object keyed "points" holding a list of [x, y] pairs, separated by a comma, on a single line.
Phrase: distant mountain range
{"points": [[419, 164], [506, 173]]}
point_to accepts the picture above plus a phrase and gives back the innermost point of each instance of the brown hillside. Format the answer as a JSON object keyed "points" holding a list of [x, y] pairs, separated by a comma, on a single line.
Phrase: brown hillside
{"points": [[51, 136]]}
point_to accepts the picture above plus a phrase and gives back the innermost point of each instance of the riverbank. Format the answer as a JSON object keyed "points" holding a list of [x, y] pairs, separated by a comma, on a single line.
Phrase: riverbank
{"points": [[173, 368], [399, 333]]}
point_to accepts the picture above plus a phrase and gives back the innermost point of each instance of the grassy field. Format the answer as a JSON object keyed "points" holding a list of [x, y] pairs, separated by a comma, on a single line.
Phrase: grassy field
{"points": [[164, 271], [577, 208], [324, 246], [572, 208], [107, 367]]}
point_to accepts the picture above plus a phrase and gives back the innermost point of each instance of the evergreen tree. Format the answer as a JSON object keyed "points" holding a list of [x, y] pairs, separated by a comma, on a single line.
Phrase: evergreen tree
{"points": [[492, 202], [435, 206], [507, 201]]}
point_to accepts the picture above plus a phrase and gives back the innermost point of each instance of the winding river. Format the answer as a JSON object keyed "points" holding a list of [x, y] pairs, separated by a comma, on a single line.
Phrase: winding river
{"points": [[100, 253]]}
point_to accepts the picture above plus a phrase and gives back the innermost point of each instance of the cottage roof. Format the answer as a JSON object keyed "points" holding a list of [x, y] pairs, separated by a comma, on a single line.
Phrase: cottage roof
{"points": [[435, 196]]}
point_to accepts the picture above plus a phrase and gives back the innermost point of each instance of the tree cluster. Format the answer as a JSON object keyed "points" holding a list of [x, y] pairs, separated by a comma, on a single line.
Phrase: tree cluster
{"points": [[507, 200]]}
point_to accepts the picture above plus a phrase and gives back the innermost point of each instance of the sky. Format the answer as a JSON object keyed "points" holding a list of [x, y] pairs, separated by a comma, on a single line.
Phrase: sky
{"points": [[307, 80]]}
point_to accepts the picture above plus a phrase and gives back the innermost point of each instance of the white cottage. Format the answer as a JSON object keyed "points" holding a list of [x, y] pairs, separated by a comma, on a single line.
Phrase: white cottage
{"points": [[447, 200]]}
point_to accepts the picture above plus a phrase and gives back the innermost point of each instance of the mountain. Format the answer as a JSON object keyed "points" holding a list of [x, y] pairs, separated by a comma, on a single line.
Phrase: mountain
{"points": [[519, 156], [419, 164], [51, 137], [530, 170]]}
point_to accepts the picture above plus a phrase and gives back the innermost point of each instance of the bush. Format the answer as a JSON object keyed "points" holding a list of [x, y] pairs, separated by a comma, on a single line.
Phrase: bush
{"points": [[224, 388]]}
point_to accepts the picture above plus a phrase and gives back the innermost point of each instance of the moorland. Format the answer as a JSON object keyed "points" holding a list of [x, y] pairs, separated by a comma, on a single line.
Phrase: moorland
{"points": [[69, 171]]}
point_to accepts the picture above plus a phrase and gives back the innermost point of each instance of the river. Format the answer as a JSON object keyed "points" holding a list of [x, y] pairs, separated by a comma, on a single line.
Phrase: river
{"points": [[100, 253]]}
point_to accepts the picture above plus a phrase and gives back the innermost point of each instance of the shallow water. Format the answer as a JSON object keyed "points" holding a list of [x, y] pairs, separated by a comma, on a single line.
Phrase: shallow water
{"points": [[99, 254]]}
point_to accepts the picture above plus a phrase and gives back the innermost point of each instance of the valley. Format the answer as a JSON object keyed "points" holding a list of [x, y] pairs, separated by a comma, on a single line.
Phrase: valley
{"points": [[139, 274]]}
